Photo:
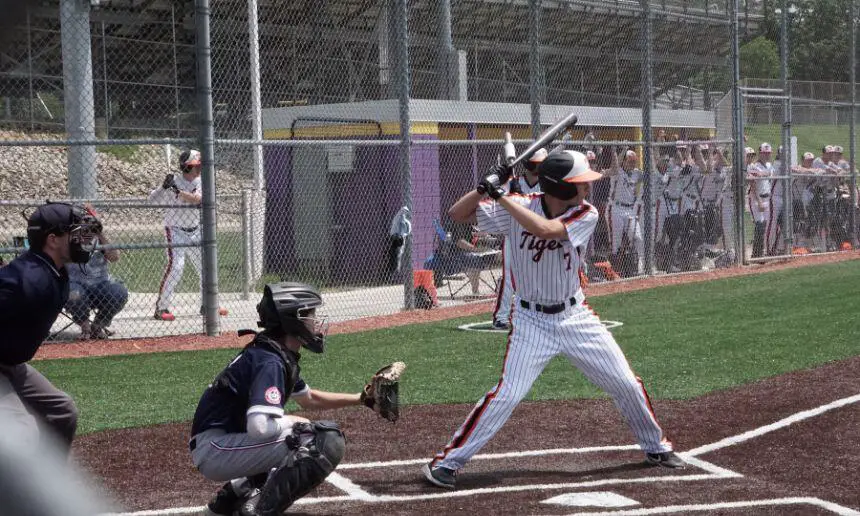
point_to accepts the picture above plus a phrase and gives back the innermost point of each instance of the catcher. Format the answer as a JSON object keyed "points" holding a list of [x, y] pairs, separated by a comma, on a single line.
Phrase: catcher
{"points": [[240, 433]]}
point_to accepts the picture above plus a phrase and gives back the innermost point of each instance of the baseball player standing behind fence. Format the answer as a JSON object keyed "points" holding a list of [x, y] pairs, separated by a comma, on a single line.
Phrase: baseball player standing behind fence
{"points": [[625, 206], [527, 184], [181, 227], [548, 233]]}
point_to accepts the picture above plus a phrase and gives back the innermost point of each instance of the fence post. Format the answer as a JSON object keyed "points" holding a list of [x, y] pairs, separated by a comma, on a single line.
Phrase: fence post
{"points": [[259, 201], [247, 237], [647, 88], [78, 96], [738, 130], [852, 146], [535, 82], [402, 16], [207, 151], [788, 223]]}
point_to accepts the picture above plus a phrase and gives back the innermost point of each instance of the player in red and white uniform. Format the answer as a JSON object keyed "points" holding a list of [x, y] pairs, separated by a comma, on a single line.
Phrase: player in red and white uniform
{"points": [[759, 195], [624, 212], [524, 184], [181, 227], [549, 233]]}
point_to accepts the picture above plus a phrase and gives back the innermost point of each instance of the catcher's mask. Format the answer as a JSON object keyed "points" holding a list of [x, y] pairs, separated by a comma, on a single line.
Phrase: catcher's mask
{"points": [[560, 172], [289, 308], [57, 218]]}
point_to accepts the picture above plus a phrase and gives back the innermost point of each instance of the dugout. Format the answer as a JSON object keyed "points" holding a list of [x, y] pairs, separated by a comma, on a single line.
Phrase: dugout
{"points": [[330, 206]]}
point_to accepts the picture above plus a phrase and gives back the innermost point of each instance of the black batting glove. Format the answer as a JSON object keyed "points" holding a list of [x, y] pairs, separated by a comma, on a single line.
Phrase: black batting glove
{"points": [[490, 186]]}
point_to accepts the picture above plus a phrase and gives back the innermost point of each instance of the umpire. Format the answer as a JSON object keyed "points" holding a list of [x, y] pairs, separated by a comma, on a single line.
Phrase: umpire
{"points": [[34, 287]]}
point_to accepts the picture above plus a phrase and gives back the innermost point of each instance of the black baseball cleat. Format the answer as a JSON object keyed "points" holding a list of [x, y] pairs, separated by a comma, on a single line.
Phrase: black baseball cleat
{"points": [[501, 325], [225, 502], [439, 476], [665, 459]]}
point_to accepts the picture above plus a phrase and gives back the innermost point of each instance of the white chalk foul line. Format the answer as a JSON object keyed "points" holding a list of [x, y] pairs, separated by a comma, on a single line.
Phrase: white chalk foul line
{"points": [[348, 486], [782, 423], [492, 456], [671, 509]]}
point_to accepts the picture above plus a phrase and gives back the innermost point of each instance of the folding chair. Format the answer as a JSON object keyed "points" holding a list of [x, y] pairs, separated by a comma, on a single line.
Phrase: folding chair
{"points": [[450, 263]]}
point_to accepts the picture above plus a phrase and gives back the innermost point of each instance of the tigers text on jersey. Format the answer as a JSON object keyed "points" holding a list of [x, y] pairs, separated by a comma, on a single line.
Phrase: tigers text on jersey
{"points": [[542, 271], [179, 217]]}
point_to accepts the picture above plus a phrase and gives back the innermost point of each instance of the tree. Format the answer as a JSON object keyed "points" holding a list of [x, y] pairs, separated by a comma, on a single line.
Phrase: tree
{"points": [[760, 58], [820, 40]]}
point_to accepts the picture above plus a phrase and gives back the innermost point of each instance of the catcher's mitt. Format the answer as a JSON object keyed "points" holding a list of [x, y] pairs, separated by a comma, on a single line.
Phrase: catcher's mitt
{"points": [[381, 392]]}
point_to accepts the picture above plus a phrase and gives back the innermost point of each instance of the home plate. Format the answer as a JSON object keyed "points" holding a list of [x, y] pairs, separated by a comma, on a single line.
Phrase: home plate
{"points": [[596, 499]]}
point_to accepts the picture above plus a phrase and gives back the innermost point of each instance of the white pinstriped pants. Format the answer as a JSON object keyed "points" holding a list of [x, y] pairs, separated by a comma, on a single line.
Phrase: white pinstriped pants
{"points": [[506, 290], [535, 339]]}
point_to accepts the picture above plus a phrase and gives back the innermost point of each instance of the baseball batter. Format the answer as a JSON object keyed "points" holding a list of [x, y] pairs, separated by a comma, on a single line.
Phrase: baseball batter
{"points": [[181, 227], [548, 232], [527, 184]]}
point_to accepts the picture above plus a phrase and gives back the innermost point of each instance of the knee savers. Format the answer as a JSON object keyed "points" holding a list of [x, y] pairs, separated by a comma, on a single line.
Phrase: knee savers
{"points": [[304, 468]]}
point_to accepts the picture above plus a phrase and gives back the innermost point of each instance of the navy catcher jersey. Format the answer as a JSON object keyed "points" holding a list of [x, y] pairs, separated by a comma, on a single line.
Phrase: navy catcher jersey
{"points": [[259, 379]]}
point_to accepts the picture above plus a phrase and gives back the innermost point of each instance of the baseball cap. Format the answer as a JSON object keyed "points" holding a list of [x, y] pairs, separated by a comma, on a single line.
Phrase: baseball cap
{"points": [[538, 156], [591, 156], [808, 155], [765, 147], [630, 154], [838, 148], [53, 217], [828, 149], [569, 166], [749, 150]]}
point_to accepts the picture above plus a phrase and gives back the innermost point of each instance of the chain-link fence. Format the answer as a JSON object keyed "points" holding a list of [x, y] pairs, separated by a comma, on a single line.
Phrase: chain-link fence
{"points": [[334, 136]]}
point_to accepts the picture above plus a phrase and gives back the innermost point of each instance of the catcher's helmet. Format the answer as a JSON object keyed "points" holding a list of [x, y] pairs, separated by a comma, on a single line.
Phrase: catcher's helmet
{"points": [[561, 171], [187, 159], [282, 311]]}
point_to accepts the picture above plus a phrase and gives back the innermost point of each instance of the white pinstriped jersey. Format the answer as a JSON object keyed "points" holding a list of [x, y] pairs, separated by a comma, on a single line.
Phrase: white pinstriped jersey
{"points": [[711, 186], [542, 271], [626, 187], [761, 186], [178, 217]]}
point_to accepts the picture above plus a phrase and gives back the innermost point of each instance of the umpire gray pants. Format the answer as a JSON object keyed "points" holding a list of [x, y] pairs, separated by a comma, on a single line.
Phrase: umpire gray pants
{"points": [[29, 401], [221, 456]]}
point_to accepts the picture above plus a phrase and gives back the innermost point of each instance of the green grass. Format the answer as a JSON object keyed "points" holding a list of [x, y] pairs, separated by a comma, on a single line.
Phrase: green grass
{"points": [[810, 138], [141, 269], [126, 153], [684, 340]]}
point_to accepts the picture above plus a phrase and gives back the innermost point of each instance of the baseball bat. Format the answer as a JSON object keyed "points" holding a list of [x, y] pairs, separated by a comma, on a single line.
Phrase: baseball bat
{"points": [[546, 137]]}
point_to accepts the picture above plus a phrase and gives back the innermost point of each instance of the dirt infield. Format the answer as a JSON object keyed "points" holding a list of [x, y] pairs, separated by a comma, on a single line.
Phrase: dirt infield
{"points": [[803, 465], [197, 342]]}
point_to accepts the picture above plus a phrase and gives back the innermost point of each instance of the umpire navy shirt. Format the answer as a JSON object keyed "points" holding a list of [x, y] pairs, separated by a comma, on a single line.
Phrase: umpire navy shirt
{"points": [[257, 378], [33, 291]]}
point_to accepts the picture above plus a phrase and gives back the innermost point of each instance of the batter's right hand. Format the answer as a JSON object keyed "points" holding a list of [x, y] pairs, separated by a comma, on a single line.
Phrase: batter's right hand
{"points": [[503, 172], [169, 182]]}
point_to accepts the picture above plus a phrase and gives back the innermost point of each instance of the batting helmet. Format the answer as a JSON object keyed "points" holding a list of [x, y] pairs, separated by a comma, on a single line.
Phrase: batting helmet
{"points": [[560, 172], [282, 312], [187, 159]]}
